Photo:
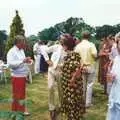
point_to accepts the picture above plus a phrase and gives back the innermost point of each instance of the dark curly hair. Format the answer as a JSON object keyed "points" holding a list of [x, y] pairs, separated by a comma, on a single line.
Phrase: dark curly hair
{"points": [[68, 41]]}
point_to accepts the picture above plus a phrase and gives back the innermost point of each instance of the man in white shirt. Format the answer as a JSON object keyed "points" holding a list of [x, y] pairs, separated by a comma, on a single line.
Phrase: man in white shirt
{"points": [[54, 72], [37, 56], [19, 70]]}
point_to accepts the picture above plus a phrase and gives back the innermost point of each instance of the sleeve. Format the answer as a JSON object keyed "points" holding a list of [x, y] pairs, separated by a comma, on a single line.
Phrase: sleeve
{"points": [[45, 54], [12, 62], [93, 50], [76, 49], [51, 48], [35, 47], [113, 66]]}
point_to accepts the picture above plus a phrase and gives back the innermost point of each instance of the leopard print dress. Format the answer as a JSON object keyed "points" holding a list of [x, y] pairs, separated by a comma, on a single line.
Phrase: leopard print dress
{"points": [[72, 104]]}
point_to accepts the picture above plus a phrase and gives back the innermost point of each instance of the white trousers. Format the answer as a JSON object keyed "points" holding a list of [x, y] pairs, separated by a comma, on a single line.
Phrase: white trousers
{"points": [[89, 79], [37, 63]]}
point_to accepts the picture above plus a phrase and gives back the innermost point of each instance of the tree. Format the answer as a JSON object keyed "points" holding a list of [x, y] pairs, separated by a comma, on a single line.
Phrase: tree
{"points": [[16, 28], [104, 31], [32, 39], [3, 37], [30, 42], [48, 34]]}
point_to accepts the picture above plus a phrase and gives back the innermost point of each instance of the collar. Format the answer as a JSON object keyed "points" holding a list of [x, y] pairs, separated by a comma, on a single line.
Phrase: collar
{"points": [[17, 48], [84, 40]]}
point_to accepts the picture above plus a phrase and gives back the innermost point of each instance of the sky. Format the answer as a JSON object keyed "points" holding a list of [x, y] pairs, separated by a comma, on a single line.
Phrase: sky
{"points": [[39, 14]]}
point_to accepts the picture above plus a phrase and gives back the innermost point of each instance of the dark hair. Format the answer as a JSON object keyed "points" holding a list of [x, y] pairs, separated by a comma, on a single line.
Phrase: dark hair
{"points": [[110, 37], [118, 41], [85, 35], [68, 41], [45, 42]]}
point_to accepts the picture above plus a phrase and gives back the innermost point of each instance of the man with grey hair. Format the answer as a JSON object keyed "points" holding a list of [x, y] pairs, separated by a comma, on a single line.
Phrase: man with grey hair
{"points": [[19, 70]]}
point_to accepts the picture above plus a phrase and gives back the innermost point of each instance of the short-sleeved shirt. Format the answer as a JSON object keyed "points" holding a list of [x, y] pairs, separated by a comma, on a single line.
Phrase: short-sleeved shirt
{"points": [[86, 50]]}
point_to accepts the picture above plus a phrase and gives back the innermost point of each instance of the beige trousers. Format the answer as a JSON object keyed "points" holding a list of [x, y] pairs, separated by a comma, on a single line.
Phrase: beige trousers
{"points": [[88, 81], [54, 86]]}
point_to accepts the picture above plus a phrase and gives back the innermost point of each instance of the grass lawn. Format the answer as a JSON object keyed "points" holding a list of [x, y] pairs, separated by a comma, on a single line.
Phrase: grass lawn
{"points": [[37, 92]]}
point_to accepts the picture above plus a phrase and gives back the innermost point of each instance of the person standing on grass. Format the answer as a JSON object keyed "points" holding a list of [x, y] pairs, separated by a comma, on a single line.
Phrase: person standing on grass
{"points": [[88, 53], [114, 97], [54, 73], [104, 61], [43, 59], [17, 62], [72, 103], [37, 56]]}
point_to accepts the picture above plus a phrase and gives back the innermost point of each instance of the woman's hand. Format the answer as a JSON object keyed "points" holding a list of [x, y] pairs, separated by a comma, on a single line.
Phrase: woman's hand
{"points": [[110, 77], [71, 83]]}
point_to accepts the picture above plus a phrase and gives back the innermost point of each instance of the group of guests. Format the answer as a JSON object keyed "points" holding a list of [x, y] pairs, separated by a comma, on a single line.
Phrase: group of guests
{"points": [[109, 66], [69, 69], [40, 65], [71, 72]]}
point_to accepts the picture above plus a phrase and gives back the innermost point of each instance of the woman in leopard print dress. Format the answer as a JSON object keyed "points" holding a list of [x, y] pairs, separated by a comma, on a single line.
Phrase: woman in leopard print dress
{"points": [[72, 83]]}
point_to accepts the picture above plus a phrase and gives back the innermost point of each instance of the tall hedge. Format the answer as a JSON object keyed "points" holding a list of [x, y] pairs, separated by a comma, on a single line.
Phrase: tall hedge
{"points": [[16, 28]]}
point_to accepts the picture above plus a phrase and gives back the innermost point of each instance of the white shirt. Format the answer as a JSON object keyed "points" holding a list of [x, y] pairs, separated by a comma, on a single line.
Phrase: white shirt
{"points": [[36, 48], [114, 53], [43, 50], [1, 66], [58, 55], [15, 57]]}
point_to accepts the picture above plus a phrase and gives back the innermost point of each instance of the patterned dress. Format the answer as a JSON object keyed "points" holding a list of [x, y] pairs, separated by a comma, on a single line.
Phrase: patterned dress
{"points": [[104, 62], [73, 101]]}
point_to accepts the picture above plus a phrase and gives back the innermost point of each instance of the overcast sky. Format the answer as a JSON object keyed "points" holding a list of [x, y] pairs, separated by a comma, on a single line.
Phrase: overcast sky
{"points": [[39, 14]]}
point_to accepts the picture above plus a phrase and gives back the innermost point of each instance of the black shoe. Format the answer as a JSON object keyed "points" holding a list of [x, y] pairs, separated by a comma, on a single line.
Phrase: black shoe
{"points": [[53, 115]]}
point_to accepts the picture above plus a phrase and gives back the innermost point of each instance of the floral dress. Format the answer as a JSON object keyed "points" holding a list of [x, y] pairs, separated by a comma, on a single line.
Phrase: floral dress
{"points": [[73, 104]]}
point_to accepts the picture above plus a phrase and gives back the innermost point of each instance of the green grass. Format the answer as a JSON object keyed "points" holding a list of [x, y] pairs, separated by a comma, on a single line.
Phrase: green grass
{"points": [[37, 93]]}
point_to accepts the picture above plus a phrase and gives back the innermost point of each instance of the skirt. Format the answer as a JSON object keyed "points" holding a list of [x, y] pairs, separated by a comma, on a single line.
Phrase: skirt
{"points": [[18, 93]]}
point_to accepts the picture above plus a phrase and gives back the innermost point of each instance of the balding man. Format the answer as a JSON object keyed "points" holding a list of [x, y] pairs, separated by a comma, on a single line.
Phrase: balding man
{"points": [[88, 53], [19, 70]]}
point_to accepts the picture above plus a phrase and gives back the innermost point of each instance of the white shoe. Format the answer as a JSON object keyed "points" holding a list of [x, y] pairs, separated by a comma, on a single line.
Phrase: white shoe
{"points": [[26, 113]]}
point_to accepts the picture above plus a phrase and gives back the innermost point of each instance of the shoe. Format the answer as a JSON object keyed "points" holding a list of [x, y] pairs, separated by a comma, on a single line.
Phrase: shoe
{"points": [[53, 115], [89, 105], [26, 113]]}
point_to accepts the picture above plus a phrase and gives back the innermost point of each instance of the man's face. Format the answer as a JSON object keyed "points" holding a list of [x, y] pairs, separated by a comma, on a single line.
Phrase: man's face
{"points": [[21, 44], [39, 42]]}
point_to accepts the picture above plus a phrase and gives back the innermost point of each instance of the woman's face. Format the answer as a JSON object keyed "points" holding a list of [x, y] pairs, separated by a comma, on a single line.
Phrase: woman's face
{"points": [[65, 47], [61, 39]]}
